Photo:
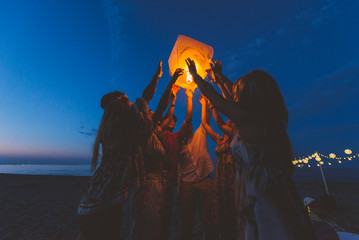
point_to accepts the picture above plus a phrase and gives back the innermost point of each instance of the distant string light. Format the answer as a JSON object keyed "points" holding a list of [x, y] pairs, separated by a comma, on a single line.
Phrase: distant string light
{"points": [[348, 151], [302, 161]]}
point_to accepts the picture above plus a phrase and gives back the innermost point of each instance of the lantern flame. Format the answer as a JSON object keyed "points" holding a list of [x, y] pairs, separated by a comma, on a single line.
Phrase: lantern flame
{"points": [[189, 79]]}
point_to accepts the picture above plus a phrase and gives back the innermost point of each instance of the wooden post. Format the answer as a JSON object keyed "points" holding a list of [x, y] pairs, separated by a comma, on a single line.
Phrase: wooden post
{"points": [[325, 183]]}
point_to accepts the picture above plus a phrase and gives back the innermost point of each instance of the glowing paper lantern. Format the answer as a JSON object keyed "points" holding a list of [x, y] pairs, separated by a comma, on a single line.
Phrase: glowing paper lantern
{"points": [[348, 151], [200, 53], [332, 155]]}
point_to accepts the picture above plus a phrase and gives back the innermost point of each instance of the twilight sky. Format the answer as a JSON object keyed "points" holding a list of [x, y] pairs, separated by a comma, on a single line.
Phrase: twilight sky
{"points": [[57, 58]]}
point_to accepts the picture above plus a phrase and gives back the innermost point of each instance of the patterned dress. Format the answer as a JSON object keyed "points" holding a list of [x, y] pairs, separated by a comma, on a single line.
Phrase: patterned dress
{"points": [[120, 169], [225, 215], [151, 204], [267, 203]]}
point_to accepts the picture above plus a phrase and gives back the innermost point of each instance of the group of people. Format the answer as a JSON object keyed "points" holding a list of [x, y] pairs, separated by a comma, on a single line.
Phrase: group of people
{"points": [[143, 161]]}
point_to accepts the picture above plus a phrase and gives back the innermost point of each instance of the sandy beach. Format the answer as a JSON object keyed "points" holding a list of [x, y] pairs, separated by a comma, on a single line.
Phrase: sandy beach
{"points": [[44, 207]]}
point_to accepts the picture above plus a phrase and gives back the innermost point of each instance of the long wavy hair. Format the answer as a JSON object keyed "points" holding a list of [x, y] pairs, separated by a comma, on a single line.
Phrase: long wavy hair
{"points": [[114, 131], [258, 93]]}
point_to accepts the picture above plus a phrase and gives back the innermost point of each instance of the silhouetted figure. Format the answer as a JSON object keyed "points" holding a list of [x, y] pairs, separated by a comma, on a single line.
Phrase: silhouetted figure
{"points": [[195, 186], [152, 202], [123, 129], [267, 201]]}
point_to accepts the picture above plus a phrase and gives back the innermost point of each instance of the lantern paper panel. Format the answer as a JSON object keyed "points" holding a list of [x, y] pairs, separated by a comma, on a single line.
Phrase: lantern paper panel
{"points": [[186, 47]]}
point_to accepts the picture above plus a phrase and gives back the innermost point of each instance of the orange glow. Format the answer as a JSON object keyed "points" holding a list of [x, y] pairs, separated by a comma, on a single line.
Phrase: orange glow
{"points": [[189, 79], [200, 53]]}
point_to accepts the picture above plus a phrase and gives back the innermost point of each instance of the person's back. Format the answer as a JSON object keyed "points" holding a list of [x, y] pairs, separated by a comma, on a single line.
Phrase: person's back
{"points": [[195, 185], [194, 161]]}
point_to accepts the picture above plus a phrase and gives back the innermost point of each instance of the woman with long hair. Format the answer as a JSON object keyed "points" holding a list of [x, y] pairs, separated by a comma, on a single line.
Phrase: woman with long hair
{"points": [[268, 203], [123, 129]]}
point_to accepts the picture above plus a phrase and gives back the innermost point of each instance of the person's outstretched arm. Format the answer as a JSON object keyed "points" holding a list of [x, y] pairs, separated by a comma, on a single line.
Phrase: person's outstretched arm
{"points": [[168, 116], [163, 103], [189, 113], [206, 118], [219, 122], [216, 76], [230, 109], [224, 90], [149, 91]]}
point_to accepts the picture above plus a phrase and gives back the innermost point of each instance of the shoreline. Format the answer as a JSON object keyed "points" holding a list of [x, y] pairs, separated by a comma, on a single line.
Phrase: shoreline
{"points": [[45, 206]]}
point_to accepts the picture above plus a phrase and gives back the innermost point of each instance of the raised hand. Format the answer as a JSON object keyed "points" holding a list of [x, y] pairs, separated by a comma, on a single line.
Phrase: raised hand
{"points": [[175, 89], [202, 99], [159, 70], [216, 67], [178, 72], [211, 76], [189, 93], [191, 67]]}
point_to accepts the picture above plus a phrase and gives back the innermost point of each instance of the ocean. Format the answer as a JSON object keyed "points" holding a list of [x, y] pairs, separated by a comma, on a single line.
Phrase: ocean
{"points": [[44, 169], [300, 175]]}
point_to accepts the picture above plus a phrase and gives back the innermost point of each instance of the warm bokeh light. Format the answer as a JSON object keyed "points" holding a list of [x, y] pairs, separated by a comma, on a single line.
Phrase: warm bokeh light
{"points": [[332, 155], [348, 151]]}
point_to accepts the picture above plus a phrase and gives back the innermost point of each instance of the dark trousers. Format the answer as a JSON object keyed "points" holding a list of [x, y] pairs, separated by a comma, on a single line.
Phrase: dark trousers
{"points": [[191, 194]]}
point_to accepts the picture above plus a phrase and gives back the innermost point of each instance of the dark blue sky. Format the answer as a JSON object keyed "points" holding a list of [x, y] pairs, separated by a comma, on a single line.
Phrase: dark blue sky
{"points": [[58, 58]]}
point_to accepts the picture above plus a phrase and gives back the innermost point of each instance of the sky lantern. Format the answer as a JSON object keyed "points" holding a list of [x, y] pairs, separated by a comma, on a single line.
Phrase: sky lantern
{"points": [[332, 155], [200, 53]]}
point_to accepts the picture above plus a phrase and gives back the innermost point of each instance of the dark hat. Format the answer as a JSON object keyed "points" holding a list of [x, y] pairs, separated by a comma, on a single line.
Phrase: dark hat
{"points": [[109, 97]]}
